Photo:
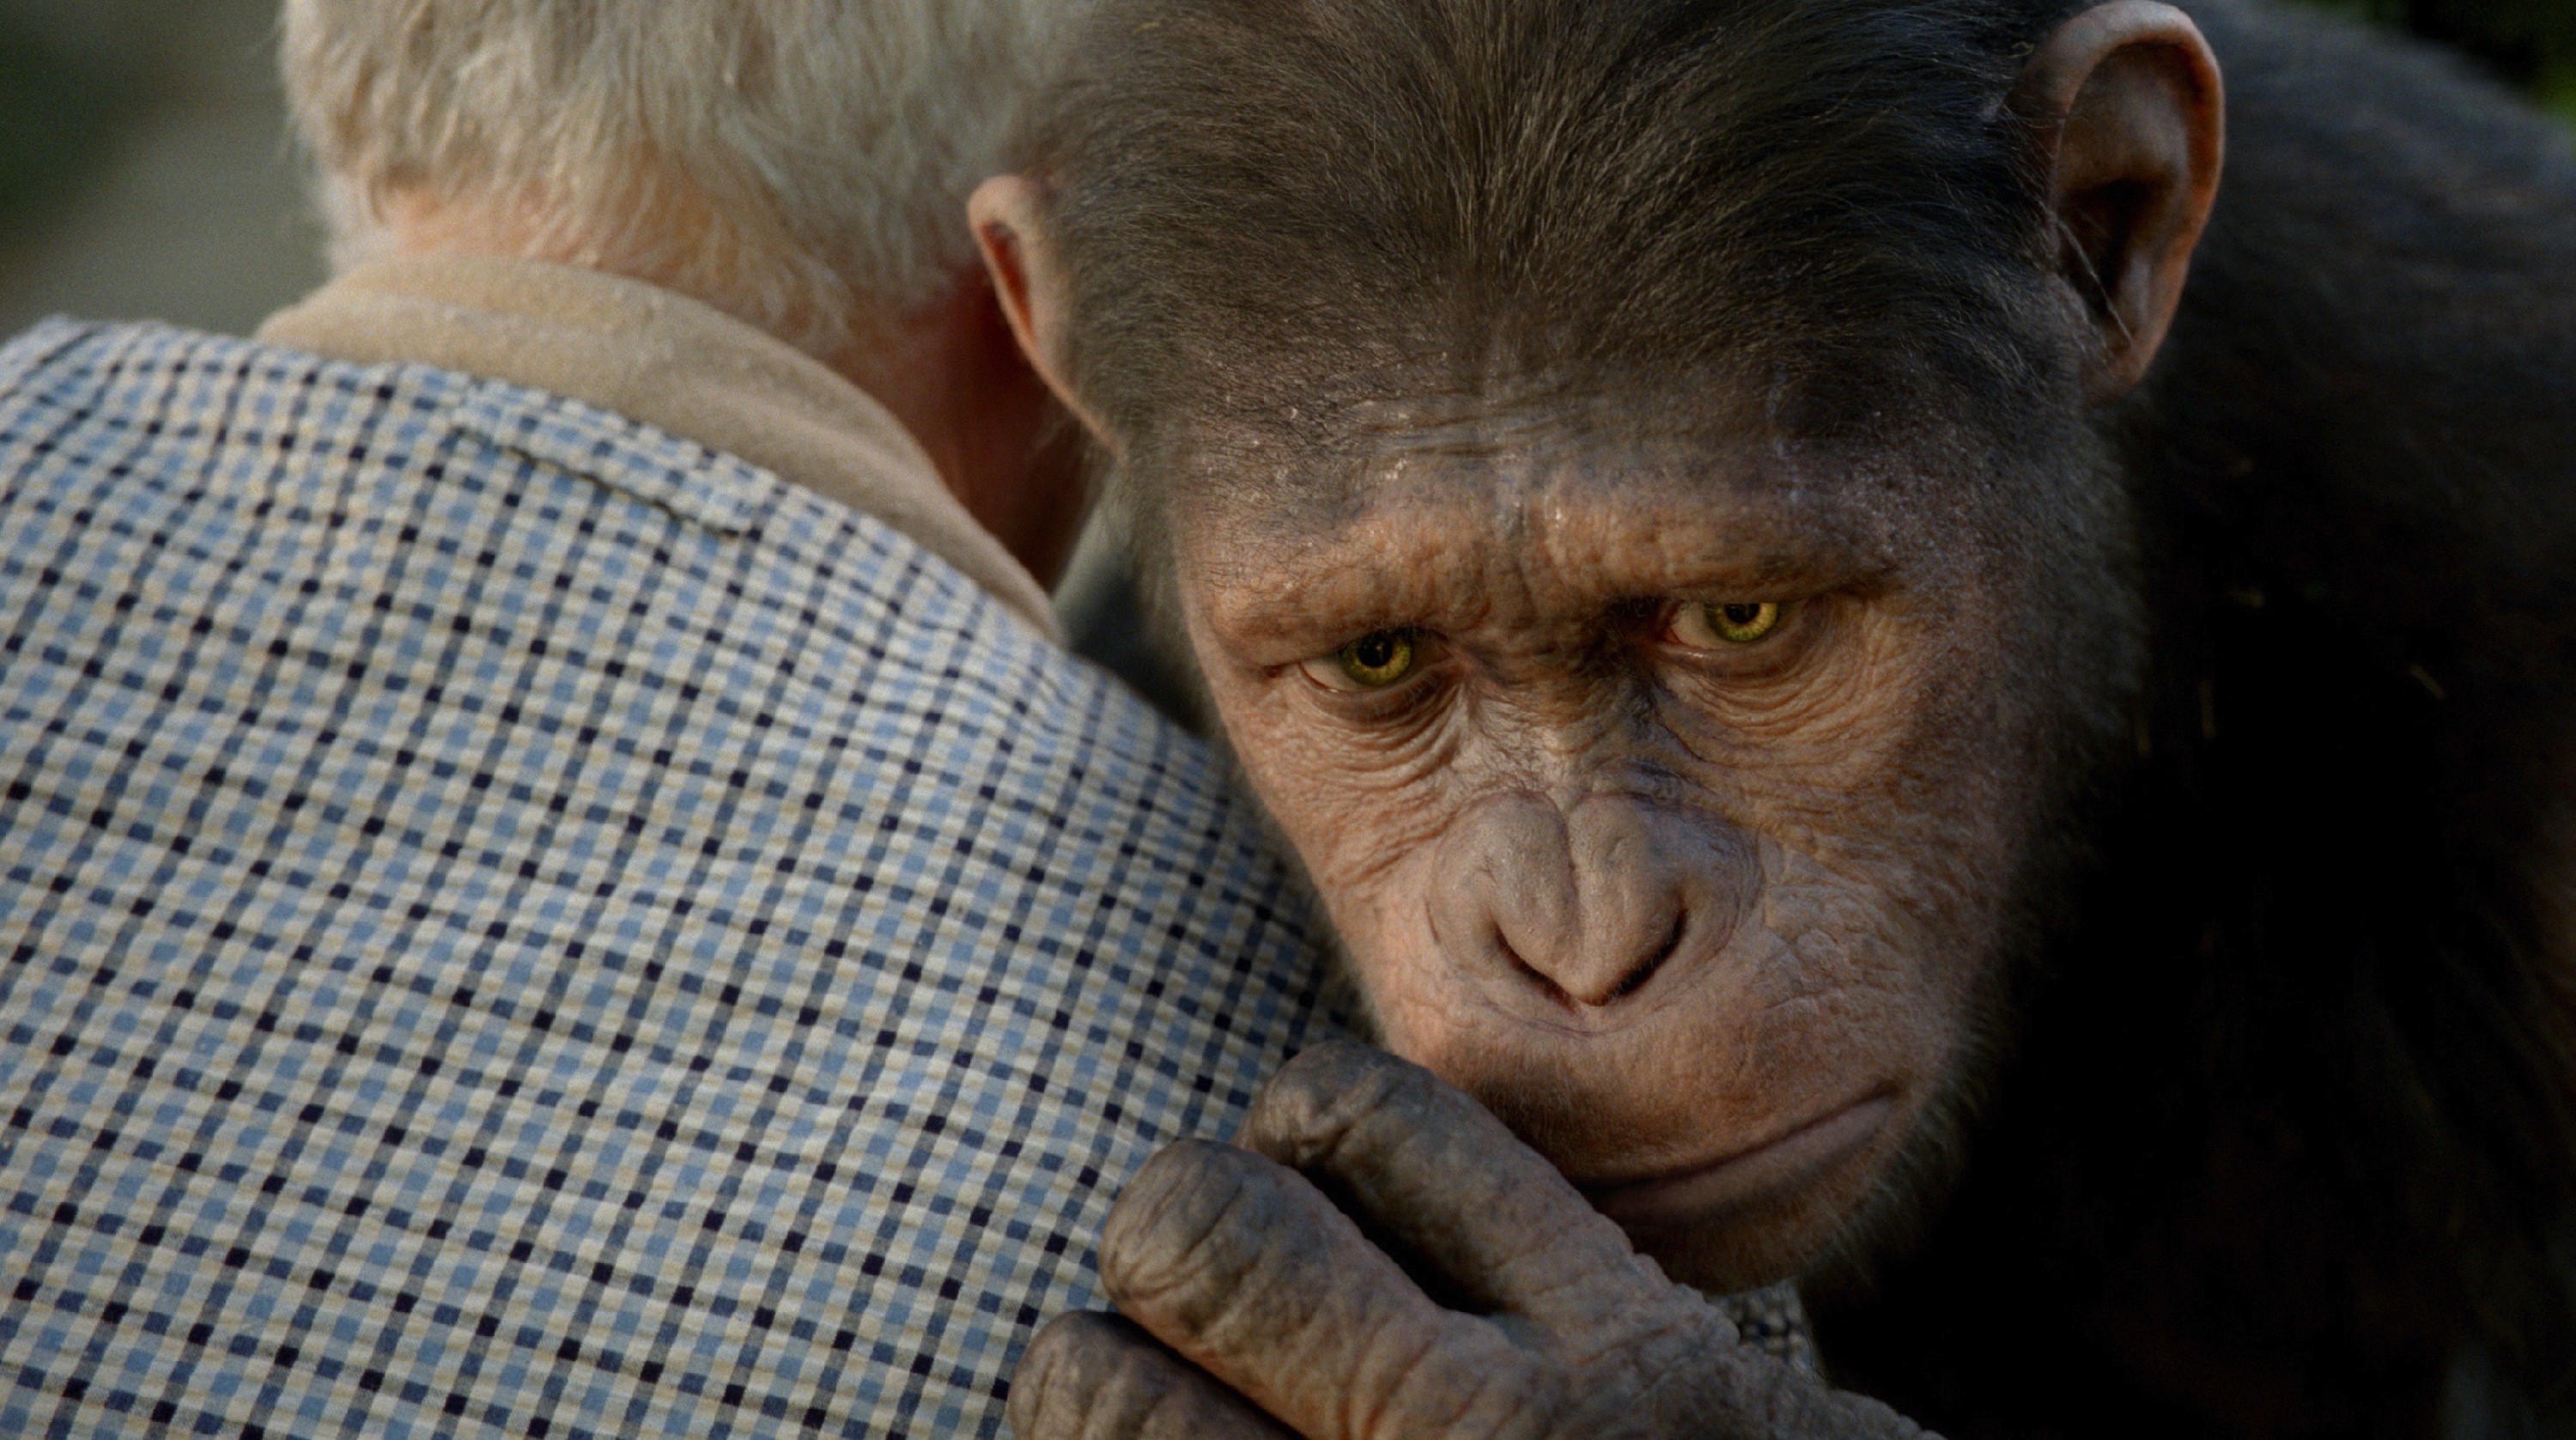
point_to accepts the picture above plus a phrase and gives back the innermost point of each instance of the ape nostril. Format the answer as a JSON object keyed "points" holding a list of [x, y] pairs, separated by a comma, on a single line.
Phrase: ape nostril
{"points": [[1632, 980], [1546, 983], [1585, 906], [1655, 962]]}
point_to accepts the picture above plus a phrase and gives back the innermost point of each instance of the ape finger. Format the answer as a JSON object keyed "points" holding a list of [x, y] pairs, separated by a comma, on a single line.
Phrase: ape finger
{"points": [[1247, 1270], [1096, 1377], [1435, 1171]]}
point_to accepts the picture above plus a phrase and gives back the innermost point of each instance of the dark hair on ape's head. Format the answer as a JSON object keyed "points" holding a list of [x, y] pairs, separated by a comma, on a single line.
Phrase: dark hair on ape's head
{"points": [[1270, 203]]}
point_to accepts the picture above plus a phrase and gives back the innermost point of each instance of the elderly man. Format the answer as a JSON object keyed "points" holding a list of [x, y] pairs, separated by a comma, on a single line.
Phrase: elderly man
{"points": [[557, 881]]}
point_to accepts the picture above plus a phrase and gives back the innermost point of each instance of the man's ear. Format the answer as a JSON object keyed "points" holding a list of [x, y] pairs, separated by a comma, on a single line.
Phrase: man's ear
{"points": [[2130, 115], [1009, 216]]}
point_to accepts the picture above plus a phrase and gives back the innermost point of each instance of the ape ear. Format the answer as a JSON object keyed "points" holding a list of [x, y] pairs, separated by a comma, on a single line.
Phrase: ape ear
{"points": [[1009, 213], [2130, 115]]}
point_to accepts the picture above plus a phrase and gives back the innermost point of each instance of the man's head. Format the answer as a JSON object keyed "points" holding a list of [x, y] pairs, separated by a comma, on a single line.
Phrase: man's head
{"points": [[803, 164], [800, 164], [1625, 471]]}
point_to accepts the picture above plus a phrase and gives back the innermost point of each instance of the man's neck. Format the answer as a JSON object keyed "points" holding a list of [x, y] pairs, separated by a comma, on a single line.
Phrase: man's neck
{"points": [[949, 371], [953, 375]]}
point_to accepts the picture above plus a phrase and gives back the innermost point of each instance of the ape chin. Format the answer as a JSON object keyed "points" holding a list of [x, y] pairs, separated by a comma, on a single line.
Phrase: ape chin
{"points": [[1915, 688]]}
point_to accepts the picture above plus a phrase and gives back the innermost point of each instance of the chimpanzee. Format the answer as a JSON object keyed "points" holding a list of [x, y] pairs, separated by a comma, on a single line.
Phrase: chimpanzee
{"points": [[1900, 713]]}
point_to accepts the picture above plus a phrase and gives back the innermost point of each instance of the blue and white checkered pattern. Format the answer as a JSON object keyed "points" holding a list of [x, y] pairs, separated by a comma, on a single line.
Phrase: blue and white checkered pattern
{"points": [[514, 923]]}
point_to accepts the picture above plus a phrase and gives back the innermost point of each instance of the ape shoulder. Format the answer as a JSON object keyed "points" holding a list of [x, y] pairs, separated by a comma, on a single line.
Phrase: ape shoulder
{"points": [[2292, 1133], [2382, 321]]}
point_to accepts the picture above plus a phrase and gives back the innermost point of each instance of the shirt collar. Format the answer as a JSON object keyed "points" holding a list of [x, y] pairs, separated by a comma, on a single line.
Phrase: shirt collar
{"points": [[658, 357]]}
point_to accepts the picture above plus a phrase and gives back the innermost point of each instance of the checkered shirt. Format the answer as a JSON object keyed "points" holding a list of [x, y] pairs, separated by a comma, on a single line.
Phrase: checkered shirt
{"points": [[513, 923]]}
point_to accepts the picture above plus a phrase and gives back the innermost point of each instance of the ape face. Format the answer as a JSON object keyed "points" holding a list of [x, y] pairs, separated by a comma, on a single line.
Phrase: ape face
{"points": [[1662, 800], [1627, 474]]}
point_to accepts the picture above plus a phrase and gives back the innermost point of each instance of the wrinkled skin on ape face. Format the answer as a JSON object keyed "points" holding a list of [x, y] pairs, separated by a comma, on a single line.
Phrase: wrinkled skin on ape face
{"points": [[1658, 798]]}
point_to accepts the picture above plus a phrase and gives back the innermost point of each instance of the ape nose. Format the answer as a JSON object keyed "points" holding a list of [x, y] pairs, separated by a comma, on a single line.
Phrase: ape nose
{"points": [[1586, 905]]}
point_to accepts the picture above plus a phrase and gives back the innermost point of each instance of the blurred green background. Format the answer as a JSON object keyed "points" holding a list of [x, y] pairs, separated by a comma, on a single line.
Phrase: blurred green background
{"points": [[145, 169], [144, 164], [2530, 42]]}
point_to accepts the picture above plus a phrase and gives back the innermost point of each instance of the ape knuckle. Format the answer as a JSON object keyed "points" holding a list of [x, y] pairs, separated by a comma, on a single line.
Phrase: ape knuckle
{"points": [[1095, 1377], [1062, 1373], [1312, 1083], [1326, 1093], [1435, 1381], [1072, 1344], [1504, 1404], [1324, 1061], [1191, 1219], [1700, 1372], [1141, 1396], [1179, 1411]]}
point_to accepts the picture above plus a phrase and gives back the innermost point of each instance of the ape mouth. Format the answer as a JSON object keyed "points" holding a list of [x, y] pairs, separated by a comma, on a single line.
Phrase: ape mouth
{"points": [[1773, 1167]]}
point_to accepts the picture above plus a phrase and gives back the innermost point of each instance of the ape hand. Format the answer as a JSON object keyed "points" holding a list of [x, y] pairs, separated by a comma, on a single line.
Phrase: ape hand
{"points": [[1257, 1308]]}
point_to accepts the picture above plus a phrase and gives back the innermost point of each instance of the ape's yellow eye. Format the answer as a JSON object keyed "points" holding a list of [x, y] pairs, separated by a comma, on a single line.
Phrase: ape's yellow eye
{"points": [[1733, 622], [1372, 662], [1376, 661]]}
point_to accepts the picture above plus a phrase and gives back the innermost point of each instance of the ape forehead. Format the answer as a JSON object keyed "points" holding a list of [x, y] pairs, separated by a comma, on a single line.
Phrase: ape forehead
{"points": [[1456, 527]]}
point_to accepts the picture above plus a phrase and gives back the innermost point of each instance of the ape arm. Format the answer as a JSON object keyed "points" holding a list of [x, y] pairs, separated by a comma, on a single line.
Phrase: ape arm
{"points": [[1253, 1295]]}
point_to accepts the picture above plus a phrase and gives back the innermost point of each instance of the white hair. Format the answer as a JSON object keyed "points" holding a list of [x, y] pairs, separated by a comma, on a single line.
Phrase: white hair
{"points": [[800, 163]]}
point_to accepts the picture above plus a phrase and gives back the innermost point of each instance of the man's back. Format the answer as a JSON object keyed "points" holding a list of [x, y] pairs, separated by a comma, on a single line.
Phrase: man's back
{"points": [[512, 921]]}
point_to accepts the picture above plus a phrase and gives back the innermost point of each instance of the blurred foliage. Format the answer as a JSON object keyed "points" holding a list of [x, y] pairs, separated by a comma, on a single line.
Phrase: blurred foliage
{"points": [[2529, 42], [61, 107]]}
